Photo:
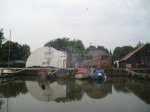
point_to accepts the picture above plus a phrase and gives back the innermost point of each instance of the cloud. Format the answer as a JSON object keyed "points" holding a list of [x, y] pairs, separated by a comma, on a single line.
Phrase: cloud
{"points": [[109, 23]]}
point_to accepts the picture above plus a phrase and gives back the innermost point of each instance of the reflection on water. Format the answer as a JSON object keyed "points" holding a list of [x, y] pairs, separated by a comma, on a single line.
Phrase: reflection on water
{"points": [[45, 94], [94, 89]]}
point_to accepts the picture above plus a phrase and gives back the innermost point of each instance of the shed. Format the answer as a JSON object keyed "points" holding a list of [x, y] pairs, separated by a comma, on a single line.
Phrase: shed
{"points": [[138, 58]]}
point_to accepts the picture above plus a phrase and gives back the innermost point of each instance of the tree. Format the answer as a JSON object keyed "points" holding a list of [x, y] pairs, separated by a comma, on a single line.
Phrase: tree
{"points": [[117, 53], [25, 52], [1, 40], [139, 44], [125, 50], [17, 51], [1, 37], [102, 48], [90, 48], [120, 52], [58, 43], [74, 49], [76, 46], [110, 52]]}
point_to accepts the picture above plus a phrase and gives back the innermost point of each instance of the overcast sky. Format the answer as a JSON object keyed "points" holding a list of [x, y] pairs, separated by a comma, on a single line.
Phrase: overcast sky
{"points": [[109, 23]]}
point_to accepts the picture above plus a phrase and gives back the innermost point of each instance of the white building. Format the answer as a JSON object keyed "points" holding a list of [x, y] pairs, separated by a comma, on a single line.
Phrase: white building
{"points": [[47, 56]]}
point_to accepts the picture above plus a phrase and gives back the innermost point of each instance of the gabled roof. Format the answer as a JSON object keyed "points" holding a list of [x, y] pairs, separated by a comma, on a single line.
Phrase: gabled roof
{"points": [[132, 53], [92, 62], [96, 53]]}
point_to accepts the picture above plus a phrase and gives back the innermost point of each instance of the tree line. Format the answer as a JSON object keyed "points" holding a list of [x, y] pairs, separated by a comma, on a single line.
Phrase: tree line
{"points": [[21, 52], [12, 50], [76, 46]]}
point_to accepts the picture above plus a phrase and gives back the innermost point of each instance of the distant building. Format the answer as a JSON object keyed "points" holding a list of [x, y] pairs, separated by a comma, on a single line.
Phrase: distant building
{"points": [[138, 58], [47, 57], [97, 58]]}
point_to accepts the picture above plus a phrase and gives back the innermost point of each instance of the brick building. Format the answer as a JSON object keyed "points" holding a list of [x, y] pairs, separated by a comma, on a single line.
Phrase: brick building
{"points": [[97, 58]]}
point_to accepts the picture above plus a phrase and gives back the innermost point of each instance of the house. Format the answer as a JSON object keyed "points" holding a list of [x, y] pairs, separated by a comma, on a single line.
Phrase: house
{"points": [[47, 57], [138, 58], [97, 58]]}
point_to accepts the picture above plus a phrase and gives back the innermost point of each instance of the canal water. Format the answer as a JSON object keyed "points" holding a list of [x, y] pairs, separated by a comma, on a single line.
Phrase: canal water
{"points": [[116, 94]]}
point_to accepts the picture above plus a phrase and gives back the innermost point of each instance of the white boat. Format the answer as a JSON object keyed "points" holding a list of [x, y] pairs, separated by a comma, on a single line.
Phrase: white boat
{"points": [[5, 72]]}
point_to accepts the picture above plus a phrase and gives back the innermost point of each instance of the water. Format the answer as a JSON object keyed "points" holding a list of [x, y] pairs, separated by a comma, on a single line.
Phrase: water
{"points": [[116, 94]]}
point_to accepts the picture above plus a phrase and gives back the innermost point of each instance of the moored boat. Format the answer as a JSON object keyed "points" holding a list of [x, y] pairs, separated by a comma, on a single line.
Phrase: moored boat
{"points": [[5, 72], [99, 74], [83, 73], [62, 73]]}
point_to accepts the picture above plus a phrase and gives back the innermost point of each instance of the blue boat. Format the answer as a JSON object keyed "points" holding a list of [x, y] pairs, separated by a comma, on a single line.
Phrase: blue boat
{"points": [[99, 74], [62, 73]]}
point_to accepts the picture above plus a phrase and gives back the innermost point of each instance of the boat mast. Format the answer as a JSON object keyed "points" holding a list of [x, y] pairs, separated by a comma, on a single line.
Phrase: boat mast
{"points": [[9, 48]]}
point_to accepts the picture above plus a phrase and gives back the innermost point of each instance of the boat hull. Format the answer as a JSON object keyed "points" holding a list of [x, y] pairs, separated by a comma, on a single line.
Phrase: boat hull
{"points": [[5, 73], [62, 73], [82, 73], [81, 76]]}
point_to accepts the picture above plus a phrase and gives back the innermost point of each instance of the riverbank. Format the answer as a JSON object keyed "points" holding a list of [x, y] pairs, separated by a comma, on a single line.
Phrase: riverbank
{"points": [[141, 73]]}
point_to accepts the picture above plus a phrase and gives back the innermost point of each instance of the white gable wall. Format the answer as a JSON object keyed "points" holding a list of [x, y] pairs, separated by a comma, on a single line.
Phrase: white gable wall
{"points": [[47, 56]]}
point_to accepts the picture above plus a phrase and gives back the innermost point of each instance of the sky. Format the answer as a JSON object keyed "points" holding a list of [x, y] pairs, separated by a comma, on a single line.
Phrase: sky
{"points": [[108, 23]]}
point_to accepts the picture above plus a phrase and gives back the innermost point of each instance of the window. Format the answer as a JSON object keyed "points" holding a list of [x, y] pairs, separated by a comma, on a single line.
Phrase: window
{"points": [[88, 57]]}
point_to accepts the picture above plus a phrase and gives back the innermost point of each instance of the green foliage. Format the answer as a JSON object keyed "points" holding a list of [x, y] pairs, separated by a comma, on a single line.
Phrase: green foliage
{"points": [[120, 52], [59, 43], [102, 48], [17, 51], [1, 40], [1, 36], [25, 52], [90, 48], [110, 52], [79, 47], [117, 53], [139, 44], [74, 46]]}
